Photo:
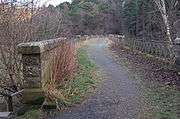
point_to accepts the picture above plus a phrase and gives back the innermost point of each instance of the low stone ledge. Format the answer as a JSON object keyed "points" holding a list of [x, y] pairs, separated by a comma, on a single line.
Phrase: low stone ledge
{"points": [[38, 47]]}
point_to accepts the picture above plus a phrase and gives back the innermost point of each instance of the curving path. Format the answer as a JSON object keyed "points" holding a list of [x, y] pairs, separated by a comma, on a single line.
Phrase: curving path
{"points": [[116, 98]]}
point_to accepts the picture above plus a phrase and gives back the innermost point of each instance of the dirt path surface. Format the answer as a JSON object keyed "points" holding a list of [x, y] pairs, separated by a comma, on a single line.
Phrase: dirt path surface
{"points": [[116, 98]]}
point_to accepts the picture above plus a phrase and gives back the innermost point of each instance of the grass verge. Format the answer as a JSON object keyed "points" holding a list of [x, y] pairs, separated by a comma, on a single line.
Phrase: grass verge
{"points": [[163, 100], [31, 114], [86, 79]]}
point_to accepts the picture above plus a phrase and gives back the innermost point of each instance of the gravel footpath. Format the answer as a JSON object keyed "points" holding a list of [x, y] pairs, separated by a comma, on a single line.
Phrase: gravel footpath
{"points": [[117, 97]]}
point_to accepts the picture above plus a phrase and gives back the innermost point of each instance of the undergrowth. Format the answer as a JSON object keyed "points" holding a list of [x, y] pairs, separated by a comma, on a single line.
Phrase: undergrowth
{"points": [[32, 112], [164, 100]]}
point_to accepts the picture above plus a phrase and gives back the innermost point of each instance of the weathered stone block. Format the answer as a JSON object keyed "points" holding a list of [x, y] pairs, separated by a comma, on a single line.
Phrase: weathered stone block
{"points": [[33, 96], [32, 82], [36, 57], [30, 60], [31, 71]]}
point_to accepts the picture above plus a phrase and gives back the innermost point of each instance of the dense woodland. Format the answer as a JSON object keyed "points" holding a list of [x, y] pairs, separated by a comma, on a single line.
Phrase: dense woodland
{"points": [[137, 18], [22, 21]]}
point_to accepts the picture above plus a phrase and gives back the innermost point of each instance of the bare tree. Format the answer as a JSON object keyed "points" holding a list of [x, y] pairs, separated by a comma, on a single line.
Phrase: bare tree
{"points": [[162, 8], [15, 22]]}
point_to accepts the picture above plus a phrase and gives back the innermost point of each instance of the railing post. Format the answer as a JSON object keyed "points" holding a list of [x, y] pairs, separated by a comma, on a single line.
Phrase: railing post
{"points": [[10, 104]]}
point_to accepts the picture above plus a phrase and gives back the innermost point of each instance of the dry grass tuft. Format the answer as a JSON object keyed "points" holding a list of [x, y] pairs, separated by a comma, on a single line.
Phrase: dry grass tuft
{"points": [[61, 68]]}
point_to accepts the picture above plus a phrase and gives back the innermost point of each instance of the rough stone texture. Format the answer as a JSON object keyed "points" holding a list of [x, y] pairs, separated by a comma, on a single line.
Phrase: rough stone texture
{"points": [[36, 59], [31, 70]]}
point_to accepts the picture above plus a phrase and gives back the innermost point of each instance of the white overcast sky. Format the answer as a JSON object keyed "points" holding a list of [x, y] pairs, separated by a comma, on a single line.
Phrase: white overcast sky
{"points": [[52, 2]]}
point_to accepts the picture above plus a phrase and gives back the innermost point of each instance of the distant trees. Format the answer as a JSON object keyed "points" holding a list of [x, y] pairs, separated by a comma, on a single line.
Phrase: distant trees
{"points": [[150, 19], [94, 16]]}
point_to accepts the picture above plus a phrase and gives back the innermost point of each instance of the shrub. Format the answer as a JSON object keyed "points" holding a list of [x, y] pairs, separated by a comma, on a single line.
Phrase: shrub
{"points": [[64, 62], [62, 67]]}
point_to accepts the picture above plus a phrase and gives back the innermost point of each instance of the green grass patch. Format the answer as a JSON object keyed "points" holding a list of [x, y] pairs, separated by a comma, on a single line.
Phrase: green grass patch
{"points": [[85, 79], [32, 114]]}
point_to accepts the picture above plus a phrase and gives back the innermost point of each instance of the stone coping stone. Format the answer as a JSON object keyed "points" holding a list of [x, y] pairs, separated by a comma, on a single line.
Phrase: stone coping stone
{"points": [[38, 47]]}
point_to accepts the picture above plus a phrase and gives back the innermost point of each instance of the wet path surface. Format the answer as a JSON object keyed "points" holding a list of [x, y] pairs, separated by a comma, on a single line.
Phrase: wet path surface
{"points": [[116, 98]]}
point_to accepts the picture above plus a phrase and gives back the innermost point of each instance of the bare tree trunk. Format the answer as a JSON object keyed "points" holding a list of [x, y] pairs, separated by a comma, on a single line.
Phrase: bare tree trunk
{"points": [[162, 8]]}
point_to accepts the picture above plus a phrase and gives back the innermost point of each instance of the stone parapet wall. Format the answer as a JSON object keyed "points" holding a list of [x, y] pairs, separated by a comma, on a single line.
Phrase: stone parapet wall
{"points": [[36, 57]]}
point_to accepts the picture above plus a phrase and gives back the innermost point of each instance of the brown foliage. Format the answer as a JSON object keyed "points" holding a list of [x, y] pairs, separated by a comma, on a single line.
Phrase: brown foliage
{"points": [[64, 62], [61, 68]]}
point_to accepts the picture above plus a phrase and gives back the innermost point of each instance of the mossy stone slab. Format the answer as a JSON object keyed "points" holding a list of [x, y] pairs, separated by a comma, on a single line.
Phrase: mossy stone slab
{"points": [[33, 96]]}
